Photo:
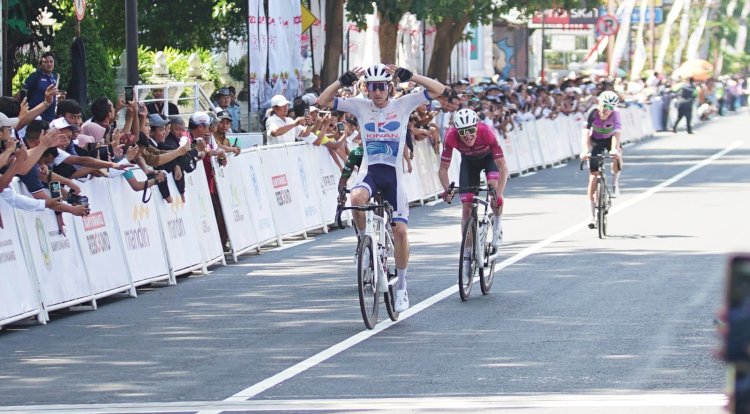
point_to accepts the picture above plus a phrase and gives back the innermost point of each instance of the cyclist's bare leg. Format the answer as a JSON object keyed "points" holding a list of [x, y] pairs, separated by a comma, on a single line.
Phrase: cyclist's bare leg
{"points": [[590, 192], [616, 168], [359, 197], [496, 210], [401, 251]]}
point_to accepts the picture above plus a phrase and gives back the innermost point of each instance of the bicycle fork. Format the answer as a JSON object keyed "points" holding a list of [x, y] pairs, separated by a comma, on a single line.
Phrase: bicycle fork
{"points": [[376, 231]]}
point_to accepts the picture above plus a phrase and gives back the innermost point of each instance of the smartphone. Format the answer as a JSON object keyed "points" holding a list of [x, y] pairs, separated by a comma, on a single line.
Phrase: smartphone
{"points": [[54, 190], [307, 112], [128, 94], [22, 94], [738, 309], [103, 153], [340, 127]]}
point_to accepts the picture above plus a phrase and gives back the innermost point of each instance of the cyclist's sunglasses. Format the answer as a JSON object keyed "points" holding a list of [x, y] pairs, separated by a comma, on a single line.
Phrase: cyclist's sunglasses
{"points": [[608, 107], [377, 86], [467, 131]]}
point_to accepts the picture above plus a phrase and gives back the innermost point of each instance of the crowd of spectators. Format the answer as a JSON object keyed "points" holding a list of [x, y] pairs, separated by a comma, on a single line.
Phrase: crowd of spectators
{"points": [[506, 105], [45, 141]]}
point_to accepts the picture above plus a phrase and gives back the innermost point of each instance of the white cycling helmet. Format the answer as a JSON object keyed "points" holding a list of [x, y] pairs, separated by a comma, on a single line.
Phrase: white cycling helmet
{"points": [[465, 118], [377, 73], [608, 98]]}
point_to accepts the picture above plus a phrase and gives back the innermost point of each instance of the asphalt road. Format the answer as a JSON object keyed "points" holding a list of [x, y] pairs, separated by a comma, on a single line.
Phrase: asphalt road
{"points": [[573, 324]]}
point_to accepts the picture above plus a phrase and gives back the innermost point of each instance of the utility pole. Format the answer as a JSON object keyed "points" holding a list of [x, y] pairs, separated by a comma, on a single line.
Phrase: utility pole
{"points": [[131, 40]]}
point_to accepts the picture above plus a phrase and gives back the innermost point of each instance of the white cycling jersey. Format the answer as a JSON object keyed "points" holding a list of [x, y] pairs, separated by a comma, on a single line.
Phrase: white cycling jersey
{"points": [[383, 131]]}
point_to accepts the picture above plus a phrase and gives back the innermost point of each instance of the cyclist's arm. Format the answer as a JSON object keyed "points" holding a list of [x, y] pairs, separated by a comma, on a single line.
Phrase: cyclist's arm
{"points": [[326, 97], [434, 88], [443, 173], [502, 167]]}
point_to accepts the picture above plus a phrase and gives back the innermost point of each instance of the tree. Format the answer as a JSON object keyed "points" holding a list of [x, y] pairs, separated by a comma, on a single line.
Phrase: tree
{"points": [[181, 24], [451, 17], [334, 41], [24, 36], [389, 13]]}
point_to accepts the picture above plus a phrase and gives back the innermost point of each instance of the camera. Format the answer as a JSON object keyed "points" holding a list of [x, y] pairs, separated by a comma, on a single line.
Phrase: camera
{"points": [[75, 199]]}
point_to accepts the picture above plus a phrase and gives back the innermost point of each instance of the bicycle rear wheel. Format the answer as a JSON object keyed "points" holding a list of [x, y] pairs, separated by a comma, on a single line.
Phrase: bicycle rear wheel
{"points": [[601, 207], [487, 269], [466, 276], [367, 283]]}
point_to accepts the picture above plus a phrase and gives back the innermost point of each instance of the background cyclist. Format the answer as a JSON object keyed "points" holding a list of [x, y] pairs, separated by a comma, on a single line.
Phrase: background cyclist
{"points": [[479, 151], [603, 133], [383, 123]]}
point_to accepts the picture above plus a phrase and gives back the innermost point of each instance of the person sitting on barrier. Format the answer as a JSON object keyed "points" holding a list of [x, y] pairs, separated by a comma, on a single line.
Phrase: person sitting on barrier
{"points": [[479, 151]]}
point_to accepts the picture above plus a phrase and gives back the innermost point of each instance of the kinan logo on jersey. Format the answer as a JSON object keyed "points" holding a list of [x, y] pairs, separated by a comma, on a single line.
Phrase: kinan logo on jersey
{"points": [[383, 127]]}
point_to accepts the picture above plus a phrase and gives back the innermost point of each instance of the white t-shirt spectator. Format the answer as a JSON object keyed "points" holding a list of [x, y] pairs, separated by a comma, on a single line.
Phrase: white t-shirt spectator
{"points": [[273, 122]]}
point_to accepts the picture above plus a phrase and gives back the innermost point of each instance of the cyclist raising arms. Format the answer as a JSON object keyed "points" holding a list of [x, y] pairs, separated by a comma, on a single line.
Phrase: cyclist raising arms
{"points": [[479, 151], [603, 133], [383, 123]]}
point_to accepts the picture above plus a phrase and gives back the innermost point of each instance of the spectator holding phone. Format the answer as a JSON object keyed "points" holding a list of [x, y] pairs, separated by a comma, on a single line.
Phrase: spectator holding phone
{"points": [[37, 83]]}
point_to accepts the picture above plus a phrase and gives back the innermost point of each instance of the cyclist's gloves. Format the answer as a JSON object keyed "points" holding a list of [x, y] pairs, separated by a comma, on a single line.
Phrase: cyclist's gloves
{"points": [[403, 74], [348, 78]]}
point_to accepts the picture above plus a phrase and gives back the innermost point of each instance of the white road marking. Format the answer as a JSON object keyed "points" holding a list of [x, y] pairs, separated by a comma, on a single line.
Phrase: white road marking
{"points": [[533, 403], [324, 355]]}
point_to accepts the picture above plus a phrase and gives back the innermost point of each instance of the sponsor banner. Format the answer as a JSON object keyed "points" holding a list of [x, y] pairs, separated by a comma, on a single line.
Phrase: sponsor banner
{"points": [[305, 183], [254, 183], [235, 204], [329, 174], [287, 206], [140, 231], [204, 217], [178, 227], [99, 242], [55, 258], [509, 151], [17, 292]]}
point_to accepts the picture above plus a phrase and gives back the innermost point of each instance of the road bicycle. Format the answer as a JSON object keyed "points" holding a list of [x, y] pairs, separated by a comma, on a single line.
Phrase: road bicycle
{"points": [[477, 237], [602, 196], [376, 267]]}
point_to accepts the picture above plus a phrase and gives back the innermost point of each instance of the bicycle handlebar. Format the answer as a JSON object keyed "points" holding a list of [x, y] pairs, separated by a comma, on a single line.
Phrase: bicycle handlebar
{"points": [[340, 207]]}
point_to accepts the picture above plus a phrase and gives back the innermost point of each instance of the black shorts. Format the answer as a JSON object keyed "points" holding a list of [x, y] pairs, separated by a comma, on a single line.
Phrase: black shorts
{"points": [[471, 168], [599, 146]]}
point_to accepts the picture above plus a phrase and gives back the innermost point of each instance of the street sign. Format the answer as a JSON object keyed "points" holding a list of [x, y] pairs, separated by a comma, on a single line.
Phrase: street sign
{"points": [[80, 6], [607, 25], [308, 19]]}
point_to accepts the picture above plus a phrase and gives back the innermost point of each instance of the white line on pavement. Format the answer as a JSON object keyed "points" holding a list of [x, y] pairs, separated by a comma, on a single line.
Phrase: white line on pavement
{"points": [[541, 402], [322, 356]]}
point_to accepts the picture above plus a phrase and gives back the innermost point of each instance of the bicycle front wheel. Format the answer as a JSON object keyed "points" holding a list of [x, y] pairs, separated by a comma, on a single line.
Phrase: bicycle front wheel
{"points": [[601, 206], [487, 269], [466, 274], [367, 283]]}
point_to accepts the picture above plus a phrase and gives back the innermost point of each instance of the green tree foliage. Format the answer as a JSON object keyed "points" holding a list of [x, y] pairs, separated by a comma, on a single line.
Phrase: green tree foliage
{"points": [[181, 24], [24, 35]]}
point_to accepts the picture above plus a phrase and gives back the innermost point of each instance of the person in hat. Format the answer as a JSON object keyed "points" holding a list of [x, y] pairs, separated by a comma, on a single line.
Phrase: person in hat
{"points": [[157, 105], [223, 127], [224, 103], [280, 128], [384, 123]]}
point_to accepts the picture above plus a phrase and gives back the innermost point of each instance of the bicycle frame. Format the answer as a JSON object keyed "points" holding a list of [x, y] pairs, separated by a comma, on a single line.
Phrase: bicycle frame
{"points": [[378, 228]]}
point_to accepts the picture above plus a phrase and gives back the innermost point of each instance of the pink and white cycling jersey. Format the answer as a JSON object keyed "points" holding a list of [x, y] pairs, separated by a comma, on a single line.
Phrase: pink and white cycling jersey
{"points": [[486, 143]]}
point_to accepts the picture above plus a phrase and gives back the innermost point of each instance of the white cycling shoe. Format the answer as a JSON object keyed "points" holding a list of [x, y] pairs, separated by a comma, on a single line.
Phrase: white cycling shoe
{"points": [[401, 300]]}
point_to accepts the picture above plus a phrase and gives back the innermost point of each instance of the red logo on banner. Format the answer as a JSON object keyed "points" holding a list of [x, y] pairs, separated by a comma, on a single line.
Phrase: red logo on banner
{"points": [[93, 221], [279, 181]]}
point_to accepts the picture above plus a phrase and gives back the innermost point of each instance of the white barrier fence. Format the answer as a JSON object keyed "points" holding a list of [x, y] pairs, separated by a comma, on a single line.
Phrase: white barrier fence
{"points": [[267, 194]]}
